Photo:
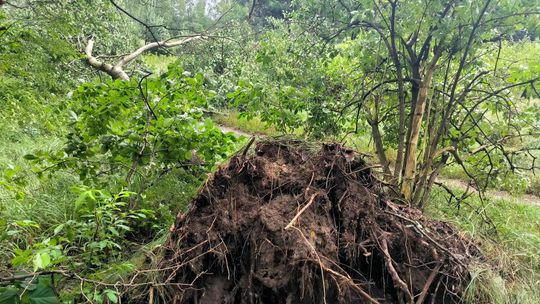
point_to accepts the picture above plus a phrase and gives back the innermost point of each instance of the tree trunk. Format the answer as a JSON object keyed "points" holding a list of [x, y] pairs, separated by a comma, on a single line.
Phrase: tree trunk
{"points": [[379, 147], [415, 128], [373, 121]]}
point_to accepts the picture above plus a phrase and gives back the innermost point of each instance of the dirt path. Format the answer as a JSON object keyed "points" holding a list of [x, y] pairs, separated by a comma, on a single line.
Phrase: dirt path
{"points": [[227, 129], [456, 183], [498, 194]]}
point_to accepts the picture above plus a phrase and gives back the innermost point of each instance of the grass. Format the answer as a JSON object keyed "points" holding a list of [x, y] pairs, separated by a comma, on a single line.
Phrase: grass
{"points": [[233, 119], [511, 245], [23, 196], [158, 63], [45, 199]]}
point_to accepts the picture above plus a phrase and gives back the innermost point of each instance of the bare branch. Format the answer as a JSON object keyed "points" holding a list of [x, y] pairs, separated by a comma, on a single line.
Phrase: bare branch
{"points": [[154, 45], [113, 71], [117, 71]]}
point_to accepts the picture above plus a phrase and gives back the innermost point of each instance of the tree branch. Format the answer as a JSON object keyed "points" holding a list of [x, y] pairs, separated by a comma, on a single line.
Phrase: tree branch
{"points": [[114, 72], [251, 10], [117, 71], [166, 44]]}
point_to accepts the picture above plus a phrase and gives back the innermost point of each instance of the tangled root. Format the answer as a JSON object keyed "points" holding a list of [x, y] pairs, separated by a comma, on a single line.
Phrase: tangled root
{"points": [[290, 224]]}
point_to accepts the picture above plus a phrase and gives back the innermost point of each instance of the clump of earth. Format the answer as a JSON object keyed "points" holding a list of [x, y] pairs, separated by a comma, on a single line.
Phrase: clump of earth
{"points": [[289, 222]]}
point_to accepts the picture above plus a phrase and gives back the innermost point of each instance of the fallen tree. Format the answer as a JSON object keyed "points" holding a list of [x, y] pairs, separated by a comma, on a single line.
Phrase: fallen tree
{"points": [[116, 71], [289, 223]]}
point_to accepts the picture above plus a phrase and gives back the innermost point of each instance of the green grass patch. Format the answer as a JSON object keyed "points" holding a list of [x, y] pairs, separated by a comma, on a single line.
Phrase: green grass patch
{"points": [[158, 63], [233, 119], [511, 245]]}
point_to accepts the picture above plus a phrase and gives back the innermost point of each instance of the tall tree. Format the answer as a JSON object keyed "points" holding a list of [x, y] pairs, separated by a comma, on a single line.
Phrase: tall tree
{"points": [[427, 71]]}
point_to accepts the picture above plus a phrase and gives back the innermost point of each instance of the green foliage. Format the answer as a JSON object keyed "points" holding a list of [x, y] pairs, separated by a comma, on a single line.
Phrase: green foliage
{"points": [[97, 233], [40, 63], [168, 18], [329, 69], [30, 291], [125, 128]]}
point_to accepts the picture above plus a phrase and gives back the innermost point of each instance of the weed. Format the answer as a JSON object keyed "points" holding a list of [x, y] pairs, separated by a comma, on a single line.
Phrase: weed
{"points": [[512, 274]]}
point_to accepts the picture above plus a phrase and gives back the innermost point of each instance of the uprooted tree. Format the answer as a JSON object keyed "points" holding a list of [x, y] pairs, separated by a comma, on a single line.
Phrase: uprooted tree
{"points": [[289, 222]]}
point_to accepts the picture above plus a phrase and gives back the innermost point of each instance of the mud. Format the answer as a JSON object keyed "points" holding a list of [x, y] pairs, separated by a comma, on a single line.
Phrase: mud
{"points": [[286, 222]]}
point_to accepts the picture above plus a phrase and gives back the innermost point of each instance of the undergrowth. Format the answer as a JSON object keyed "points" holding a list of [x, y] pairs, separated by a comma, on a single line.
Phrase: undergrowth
{"points": [[510, 240]]}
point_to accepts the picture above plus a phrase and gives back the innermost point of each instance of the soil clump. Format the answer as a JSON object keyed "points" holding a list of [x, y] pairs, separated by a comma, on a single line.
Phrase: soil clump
{"points": [[287, 222]]}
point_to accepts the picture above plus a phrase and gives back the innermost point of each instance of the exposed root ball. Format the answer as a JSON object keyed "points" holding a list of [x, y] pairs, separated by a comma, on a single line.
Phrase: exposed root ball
{"points": [[287, 224]]}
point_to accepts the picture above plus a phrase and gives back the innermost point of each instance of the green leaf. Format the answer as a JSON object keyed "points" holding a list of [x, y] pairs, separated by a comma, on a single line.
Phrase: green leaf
{"points": [[111, 295], [43, 294], [114, 231], [9, 296], [58, 228], [27, 223], [41, 260], [30, 157], [124, 227]]}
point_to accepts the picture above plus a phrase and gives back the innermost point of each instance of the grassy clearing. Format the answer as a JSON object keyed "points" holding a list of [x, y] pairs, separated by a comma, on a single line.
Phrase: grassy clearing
{"points": [[255, 126], [158, 63], [511, 244]]}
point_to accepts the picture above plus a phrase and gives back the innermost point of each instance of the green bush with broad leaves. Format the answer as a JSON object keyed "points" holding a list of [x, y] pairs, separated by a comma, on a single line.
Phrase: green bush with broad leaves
{"points": [[132, 132], [97, 234], [126, 137]]}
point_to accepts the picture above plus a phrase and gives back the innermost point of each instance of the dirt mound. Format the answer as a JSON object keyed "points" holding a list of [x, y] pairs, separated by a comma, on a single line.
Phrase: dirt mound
{"points": [[289, 224]]}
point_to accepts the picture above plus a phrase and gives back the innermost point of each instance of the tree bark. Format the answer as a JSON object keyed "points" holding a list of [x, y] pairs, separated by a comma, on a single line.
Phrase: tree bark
{"points": [[373, 120], [113, 71], [415, 128], [377, 139], [401, 97]]}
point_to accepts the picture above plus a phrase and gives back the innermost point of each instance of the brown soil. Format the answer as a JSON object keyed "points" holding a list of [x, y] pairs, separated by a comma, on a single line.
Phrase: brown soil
{"points": [[286, 223]]}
